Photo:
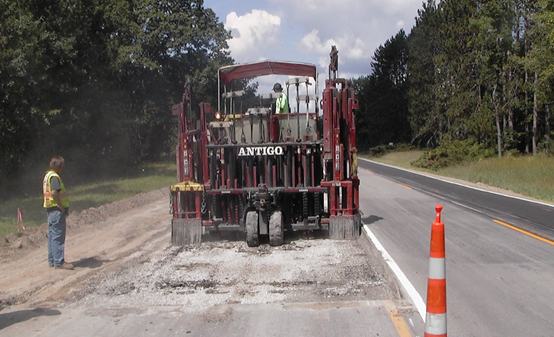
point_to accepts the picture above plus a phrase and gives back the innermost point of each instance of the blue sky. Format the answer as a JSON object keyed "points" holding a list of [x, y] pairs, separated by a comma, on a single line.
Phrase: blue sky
{"points": [[304, 30]]}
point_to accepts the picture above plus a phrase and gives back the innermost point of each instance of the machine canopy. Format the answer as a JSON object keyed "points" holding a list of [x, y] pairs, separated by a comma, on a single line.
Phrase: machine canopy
{"points": [[227, 74]]}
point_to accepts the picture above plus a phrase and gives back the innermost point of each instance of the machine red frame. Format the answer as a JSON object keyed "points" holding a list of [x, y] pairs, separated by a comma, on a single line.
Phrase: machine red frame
{"points": [[277, 180]]}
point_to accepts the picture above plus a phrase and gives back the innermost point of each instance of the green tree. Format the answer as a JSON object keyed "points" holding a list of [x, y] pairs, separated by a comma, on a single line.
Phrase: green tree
{"points": [[540, 61], [466, 72], [492, 44], [423, 46], [162, 43], [101, 75], [383, 114]]}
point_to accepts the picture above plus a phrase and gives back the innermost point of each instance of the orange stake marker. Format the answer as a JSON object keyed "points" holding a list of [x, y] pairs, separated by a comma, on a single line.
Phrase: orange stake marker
{"points": [[20, 220], [435, 320]]}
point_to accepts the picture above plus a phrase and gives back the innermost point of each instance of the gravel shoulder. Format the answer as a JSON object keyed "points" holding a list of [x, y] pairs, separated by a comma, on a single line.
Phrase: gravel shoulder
{"points": [[97, 239]]}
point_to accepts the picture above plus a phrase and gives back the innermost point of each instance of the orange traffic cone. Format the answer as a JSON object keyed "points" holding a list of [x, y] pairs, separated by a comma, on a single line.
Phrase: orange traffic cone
{"points": [[435, 320]]}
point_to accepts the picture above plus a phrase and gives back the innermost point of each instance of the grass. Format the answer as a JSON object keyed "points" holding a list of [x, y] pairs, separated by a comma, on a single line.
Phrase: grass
{"points": [[145, 178], [401, 159], [528, 175]]}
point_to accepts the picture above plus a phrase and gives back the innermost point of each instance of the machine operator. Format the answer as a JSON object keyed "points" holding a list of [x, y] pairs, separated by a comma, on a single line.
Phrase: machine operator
{"points": [[282, 104]]}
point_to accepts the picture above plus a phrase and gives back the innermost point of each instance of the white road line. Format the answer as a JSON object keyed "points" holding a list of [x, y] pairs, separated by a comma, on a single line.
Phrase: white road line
{"points": [[412, 292]]}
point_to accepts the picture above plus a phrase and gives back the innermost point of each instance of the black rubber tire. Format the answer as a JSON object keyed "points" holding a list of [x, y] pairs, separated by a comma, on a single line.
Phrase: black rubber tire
{"points": [[276, 229], [252, 230]]}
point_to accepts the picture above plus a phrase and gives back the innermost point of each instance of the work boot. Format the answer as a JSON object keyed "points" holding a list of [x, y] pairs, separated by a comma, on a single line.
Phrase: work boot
{"points": [[67, 266]]}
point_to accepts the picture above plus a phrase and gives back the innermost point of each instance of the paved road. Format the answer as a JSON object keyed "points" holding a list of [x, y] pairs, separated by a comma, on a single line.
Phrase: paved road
{"points": [[531, 216], [499, 281], [360, 318]]}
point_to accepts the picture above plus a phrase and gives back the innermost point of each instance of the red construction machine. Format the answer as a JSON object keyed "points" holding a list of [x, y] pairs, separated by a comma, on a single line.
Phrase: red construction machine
{"points": [[249, 169]]}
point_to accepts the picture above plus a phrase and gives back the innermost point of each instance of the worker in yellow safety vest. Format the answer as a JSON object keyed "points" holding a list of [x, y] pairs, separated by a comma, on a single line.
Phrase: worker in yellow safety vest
{"points": [[56, 203], [282, 104]]}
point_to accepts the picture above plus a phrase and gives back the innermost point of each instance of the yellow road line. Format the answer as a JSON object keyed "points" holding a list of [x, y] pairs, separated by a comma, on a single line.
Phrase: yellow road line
{"points": [[408, 187], [538, 237], [397, 320]]}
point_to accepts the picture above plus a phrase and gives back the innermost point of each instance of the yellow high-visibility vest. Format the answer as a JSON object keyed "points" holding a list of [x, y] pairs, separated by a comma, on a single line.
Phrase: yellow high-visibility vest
{"points": [[47, 191], [282, 103]]}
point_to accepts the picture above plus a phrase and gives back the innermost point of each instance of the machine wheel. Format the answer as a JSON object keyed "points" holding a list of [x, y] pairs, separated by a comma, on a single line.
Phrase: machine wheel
{"points": [[276, 229], [252, 231]]}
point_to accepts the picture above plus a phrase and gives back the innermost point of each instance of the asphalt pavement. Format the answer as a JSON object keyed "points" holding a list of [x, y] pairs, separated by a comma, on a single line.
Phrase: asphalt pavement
{"points": [[499, 280], [528, 215], [360, 318]]}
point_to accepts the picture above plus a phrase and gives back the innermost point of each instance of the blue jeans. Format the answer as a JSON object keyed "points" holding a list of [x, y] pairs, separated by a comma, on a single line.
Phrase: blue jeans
{"points": [[56, 238]]}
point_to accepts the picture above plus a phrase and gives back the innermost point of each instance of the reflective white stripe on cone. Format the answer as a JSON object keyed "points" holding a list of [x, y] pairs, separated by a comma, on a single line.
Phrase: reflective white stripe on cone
{"points": [[435, 320]]}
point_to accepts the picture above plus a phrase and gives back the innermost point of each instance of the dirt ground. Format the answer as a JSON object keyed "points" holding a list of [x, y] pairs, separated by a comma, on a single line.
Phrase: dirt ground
{"points": [[123, 259]]}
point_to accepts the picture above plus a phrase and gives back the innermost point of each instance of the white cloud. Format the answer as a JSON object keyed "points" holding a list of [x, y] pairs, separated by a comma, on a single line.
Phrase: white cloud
{"points": [[253, 34], [305, 30], [350, 47], [356, 27], [352, 8], [311, 43], [358, 50]]}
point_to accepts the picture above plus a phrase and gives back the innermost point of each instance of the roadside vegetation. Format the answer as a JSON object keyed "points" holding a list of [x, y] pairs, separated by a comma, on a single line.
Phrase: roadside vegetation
{"points": [[528, 175], [470, 80], [94, 81], [83, 195]]}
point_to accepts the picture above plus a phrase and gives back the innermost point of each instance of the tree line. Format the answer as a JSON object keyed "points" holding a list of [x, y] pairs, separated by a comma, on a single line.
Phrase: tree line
{"points": [[478, 71], [94, 80]]}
